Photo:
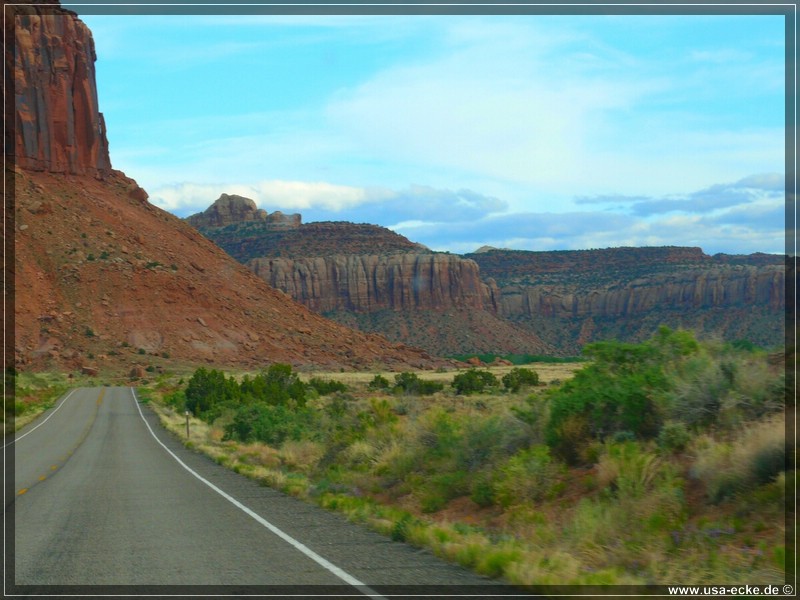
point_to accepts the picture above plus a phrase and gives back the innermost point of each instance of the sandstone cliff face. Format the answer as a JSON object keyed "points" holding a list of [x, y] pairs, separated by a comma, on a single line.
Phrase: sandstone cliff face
{"points": [[632, 281], [764, 288], [59, 127], [366, 283], [570, 298]]}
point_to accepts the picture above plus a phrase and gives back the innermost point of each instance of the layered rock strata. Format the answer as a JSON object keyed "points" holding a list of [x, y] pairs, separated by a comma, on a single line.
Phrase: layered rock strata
{"points": [[50, 66], [367, 283]]}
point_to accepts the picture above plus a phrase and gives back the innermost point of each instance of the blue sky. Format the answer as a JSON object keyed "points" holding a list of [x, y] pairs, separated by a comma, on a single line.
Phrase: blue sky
{"points": [[530, 132]]}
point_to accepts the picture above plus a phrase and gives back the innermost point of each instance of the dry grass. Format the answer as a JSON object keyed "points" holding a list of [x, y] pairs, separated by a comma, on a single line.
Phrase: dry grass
{"points": [[548, 372]]}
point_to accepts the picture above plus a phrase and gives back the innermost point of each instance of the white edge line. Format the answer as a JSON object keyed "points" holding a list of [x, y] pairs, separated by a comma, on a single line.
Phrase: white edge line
{"points": [[340, 573], [16, 439]]}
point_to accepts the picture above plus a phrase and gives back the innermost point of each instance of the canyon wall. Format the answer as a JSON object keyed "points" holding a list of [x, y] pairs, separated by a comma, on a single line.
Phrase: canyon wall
{"points": [[763, 287], [366, 283], [57, 126]]}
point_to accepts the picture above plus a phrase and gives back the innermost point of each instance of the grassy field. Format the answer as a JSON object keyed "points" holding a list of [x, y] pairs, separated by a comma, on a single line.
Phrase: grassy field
{"points": [[549, 373]]}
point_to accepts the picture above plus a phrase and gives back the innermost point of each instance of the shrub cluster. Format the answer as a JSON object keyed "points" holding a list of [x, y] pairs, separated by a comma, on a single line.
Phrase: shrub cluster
{"points": [[520, 377], [326, 386], [661, 389], [410, 384], [269, 407], [473, 382]]}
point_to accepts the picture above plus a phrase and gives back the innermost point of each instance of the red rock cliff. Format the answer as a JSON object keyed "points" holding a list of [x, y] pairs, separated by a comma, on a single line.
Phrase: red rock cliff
{"points": [[57, 124], [366, 283]]}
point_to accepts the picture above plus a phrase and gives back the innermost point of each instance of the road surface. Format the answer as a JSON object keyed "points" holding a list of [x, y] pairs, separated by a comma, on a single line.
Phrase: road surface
{"points": [[103, 496]]}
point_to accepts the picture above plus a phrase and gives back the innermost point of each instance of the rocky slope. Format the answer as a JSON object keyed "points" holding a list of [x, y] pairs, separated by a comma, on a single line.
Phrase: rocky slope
{"points": [[104, 280]]}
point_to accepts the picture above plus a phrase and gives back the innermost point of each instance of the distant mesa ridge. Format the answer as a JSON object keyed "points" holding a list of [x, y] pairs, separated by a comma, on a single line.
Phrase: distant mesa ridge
{"points": [[503, 300]]}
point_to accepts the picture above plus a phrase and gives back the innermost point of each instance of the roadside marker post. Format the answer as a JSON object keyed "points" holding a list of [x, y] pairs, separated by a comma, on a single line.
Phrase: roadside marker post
{"points": [[187, 424]]}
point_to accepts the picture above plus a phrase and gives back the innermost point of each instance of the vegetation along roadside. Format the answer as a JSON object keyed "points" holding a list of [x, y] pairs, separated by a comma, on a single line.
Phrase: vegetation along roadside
{"points": [[658, 462]]}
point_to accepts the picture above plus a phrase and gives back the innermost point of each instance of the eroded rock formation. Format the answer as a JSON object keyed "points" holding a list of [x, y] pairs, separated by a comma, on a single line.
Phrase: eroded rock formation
{"points": [[369, 282], [57, 124], [230, 208]]}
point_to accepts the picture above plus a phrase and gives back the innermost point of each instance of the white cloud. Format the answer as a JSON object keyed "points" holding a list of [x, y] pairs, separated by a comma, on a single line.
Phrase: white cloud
{"points": [[189, 198]]}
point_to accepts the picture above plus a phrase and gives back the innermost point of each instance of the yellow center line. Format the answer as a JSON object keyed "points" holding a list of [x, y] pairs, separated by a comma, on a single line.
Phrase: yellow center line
{"points": [[72, 451]]}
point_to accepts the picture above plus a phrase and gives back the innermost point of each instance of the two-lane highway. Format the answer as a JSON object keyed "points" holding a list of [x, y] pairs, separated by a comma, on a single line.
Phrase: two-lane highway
{"points": [[104, 496]]}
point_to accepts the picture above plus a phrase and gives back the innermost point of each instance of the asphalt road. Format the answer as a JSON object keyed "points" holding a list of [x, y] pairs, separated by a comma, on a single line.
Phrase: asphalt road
{"points": [[103, 496]]}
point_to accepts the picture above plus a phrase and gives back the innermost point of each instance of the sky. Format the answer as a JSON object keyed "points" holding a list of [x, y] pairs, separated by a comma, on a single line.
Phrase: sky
{"points": [[530, 132]]}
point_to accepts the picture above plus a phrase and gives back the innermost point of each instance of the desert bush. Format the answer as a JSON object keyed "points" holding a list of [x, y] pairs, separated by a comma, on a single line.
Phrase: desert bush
{"points": [[518, 377], [208, 391], [535, 414], [379, 382], [271, 424], [620, 394], [483, 441], [325, 386], [276, 385], [176, 399], [673, 437], [627, 469], [697, 393], [473, 382], [301, 455], [530, 475], [410, 384]]}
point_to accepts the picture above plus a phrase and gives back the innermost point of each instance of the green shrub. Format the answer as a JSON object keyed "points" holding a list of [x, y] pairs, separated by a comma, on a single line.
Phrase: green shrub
{"points": [[410, 384], [277, 385], [473, 381], [379, 382], [271, 424], [615, 394], [176, 400], [518, 377], [530, 475], [485, 440], [766, 463], [673, 437], [208, 391], [482, 490], [325, 387]]}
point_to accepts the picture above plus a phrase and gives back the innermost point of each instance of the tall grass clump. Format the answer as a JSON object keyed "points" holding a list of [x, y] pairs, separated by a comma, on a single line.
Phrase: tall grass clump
{"points": [[753, 456]]}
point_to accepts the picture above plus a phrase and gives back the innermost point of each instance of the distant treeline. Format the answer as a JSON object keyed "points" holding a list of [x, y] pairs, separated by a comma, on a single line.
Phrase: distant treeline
{"points": [[518, 359]]}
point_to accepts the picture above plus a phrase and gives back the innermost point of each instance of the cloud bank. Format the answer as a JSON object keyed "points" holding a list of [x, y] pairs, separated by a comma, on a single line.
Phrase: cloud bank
{"points": [[744, 216]]}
